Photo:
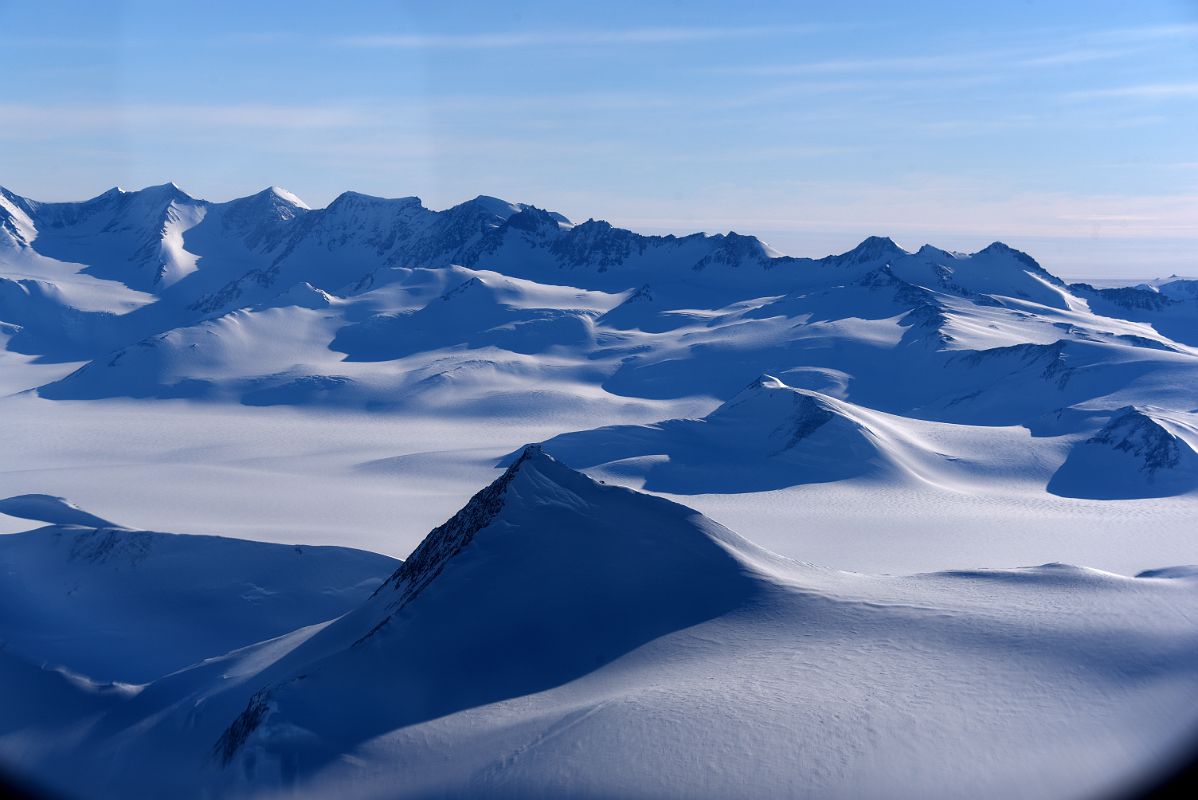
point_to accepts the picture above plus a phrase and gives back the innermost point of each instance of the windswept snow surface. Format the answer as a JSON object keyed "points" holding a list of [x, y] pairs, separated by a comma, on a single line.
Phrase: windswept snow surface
{"points": [[348, 377], [560, 637]]}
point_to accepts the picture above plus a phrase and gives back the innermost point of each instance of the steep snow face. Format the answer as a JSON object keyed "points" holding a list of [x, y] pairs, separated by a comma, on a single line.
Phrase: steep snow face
{"points": [[559, 635], [1139, 453], [135, 238], [114, 604], [16, 228]]}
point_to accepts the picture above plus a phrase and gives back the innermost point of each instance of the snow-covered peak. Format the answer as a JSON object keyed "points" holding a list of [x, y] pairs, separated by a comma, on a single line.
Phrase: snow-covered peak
{"points": [[541, 518], [357, 200], [266, 208], [542, 576], [493, 205], [448, 539], [163, 192], [873, 249], [768, 404], [1000, 249], [287, 197], [763, 382], [931, 251]]}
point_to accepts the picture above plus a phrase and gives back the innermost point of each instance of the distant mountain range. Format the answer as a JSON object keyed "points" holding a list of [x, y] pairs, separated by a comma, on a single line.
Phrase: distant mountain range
{"points": [[503, 308]]}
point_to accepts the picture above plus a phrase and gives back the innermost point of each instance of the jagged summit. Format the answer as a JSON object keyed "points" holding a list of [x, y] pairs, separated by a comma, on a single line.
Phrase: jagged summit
{"points": [[445, 541], [361, 233]]}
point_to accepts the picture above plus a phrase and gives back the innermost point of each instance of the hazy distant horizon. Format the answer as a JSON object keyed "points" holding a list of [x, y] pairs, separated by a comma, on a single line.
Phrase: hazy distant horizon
{"points": [[1065, 129], [1119, 260]]}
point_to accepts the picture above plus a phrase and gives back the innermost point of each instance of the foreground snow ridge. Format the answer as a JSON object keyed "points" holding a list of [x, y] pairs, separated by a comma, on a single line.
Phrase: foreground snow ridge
{"points": [[562, 636]]}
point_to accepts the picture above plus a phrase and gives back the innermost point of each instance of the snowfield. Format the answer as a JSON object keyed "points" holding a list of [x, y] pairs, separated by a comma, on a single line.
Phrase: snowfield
{"points": [[303, 394], [555, 627]]}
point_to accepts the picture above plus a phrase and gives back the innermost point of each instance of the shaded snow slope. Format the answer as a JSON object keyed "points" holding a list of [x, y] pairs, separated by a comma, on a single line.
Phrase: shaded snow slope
{"points": [[122, 605], [562, 636], [768, 436], [1139, 453]]}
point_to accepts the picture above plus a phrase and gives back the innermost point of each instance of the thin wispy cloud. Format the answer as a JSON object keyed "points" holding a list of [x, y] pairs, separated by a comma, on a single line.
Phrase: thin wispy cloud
{"points": [[1079, 56], [569, 38], [32, 121], [1147, 33], [1148, 91], [850, 65], [1051, 51]]}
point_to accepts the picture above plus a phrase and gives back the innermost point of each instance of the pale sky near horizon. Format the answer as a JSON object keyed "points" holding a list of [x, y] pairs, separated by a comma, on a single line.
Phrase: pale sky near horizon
{"points": [[1067, 129]]}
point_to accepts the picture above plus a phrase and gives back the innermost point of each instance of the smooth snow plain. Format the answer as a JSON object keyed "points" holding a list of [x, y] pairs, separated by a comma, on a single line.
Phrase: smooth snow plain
{"points": [[346, 379]]}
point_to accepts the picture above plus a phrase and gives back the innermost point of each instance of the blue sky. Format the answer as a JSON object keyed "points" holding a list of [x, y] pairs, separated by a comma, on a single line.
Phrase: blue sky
{"points": [[1069, 129]]}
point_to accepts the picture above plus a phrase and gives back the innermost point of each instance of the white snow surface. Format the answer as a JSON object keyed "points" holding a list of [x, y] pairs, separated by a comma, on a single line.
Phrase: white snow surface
{"points": [[349, 376], [559, 636]]}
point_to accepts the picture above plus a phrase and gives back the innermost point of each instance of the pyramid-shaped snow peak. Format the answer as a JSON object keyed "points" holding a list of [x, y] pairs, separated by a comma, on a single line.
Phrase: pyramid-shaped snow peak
{"points": [[1139, 453], [542, 577], [546, 515]]}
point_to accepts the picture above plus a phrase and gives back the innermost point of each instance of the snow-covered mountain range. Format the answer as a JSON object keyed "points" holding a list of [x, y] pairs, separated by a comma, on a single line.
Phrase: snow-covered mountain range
{"points": [[375, 304], [350, 376]]}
